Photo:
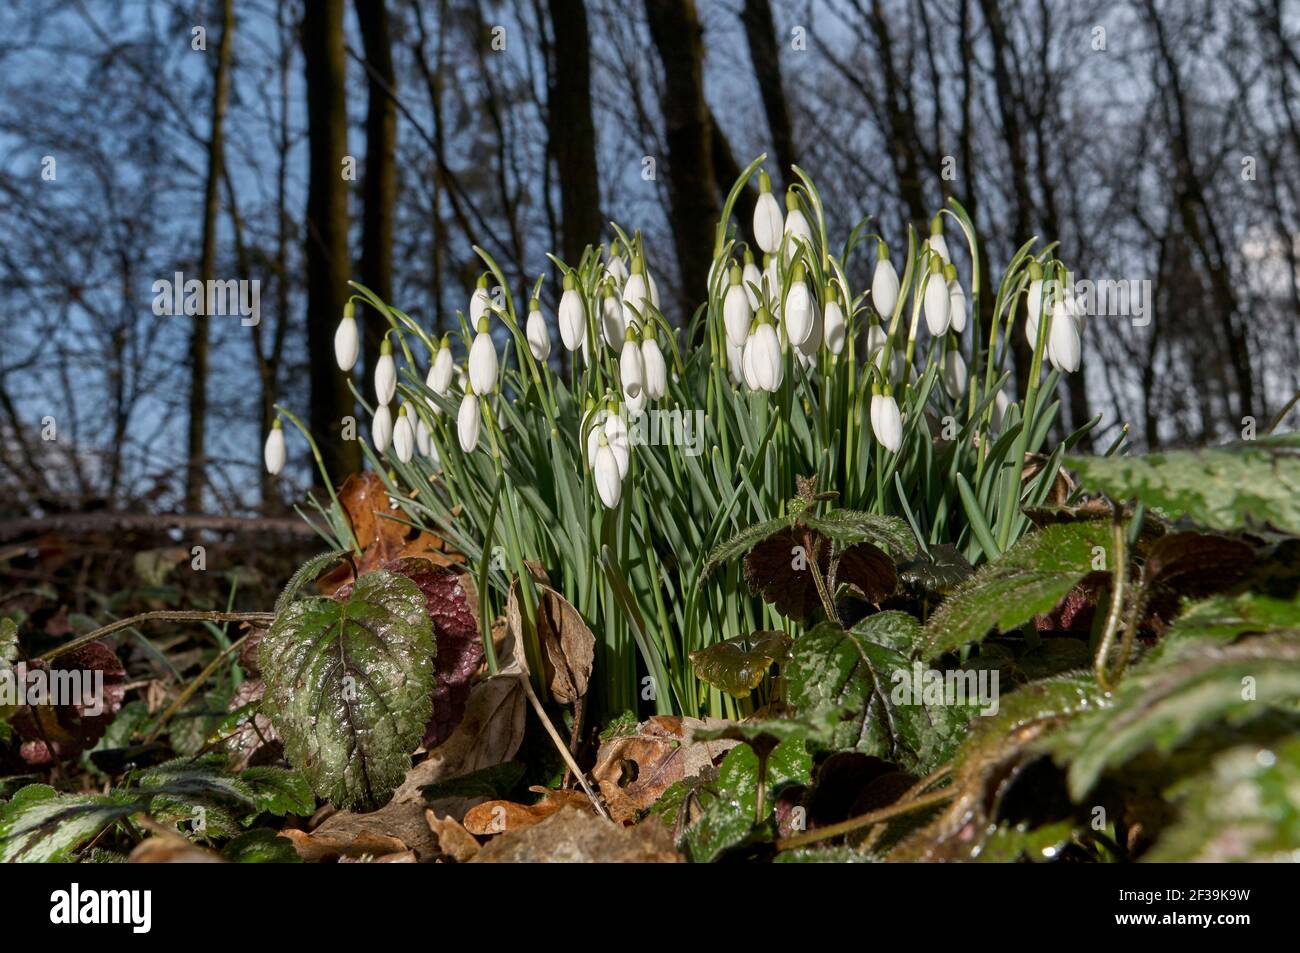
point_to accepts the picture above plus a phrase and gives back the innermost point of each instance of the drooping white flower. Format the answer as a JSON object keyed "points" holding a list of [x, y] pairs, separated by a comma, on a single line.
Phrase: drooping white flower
{"points": [[812, 344], [636, 293], [797, 311], [385, 373], [768, 226], [347, 340], [654, 288], [833, 324], [884, 283], [747, 370], [797, 230], [609, 484], [467, 422], [538, 335], [439, 379], [635, 405], [656, 369], [631, 368], [1033, 304], [612, 324], [954, 374], [875, 340], [772, 277], [936, 241], [403, 436], [573, 317], [1001, 404], [483, 361], [479, 302], [956, 300], [423, 438], [736, 362], [381, 428], [616, 436], [751, 278], [936, 301], [616, 268], [887, 422], [736, 310], [769, 368], [1063, 344], [273, 453]]}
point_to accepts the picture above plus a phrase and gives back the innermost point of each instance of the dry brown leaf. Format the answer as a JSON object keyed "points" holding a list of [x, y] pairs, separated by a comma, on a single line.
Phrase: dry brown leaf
{"points": [[489, 733], [453, 840], [573, 836], [171, 850], [568, 646], [633, 770], [500, 817], [400, 857], [344, 840]]}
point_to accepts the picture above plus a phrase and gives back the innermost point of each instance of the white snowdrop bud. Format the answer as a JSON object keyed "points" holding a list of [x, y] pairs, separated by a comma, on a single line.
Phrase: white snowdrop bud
{"points": [[656, 369], [1063, 344], [612, 327], [1033, 304], [797, 230], [769, 367], [483, 361], [479, 302], [1001, 404], [834, 327], [956, 300], [954, 374], [617, 437], [936, 303], [572, 318], [539, 337], [751, 278], [631, 367], [609, 485], [273, 453], [797, 312], [467, 422], [347, 339], [772, 278], [381, 428], [385, 373], [440, 372], [736, 362], [736, 310], [884, 283], [423, 438], [636, 293], [768, 226], [403, 436], [807, 351], [617, 267], [887, 422], [936, 240], [875, 340]]}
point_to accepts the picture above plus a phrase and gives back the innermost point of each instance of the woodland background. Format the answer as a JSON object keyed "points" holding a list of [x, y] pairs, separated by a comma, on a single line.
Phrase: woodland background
{"points": [[1156, 140]]}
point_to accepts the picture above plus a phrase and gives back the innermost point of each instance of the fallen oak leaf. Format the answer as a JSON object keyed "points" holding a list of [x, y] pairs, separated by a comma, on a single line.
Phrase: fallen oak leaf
{"points": [[453, 840], [499, 817], [568, 645], [574, 836]]}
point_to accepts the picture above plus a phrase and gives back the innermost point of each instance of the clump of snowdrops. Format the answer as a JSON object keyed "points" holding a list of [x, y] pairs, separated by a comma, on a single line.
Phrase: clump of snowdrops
{"points": [[621, 475]]}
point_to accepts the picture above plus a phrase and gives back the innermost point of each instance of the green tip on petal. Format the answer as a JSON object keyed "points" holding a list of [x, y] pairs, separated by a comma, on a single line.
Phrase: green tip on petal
{"points": [[481, 284], [882, 250], [483, 325], [791, 200], [445, 342], [534, 304], [936, 224], [763, 317], [749, 255], [950, 272], [386, 346], [764, 182], [735, 273], [936, 265], [275, 424], [568, 281], [350, 309], [1035, 271]]}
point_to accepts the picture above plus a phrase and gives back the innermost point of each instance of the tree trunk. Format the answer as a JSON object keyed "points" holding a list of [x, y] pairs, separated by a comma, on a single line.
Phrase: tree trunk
{"points": [[765, 56], [198, 409], [675, 30], [326, 236], [379, 191], [572, 132]]}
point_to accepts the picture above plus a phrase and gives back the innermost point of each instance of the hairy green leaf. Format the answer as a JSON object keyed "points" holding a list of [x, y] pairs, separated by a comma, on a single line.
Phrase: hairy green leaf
{"points": [[305, 574], [277, 791], [1257, 482], [1030, 578], [43, 826], [348, 687], [261, 846], [848, 527], [742, 542]]}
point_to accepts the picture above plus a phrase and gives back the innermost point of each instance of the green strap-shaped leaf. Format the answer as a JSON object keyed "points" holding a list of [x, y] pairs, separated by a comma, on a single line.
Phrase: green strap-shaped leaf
{"points": [[865, 678], [1223, 488], [348, 687], [1031, 577], [42, 826]]}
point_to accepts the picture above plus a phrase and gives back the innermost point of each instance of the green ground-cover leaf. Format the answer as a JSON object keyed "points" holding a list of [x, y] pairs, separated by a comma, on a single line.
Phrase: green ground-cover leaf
{"points": [[348, 686], [1029, 579], [1252, 483], [261, 846], [41, 825], [737, 666]]}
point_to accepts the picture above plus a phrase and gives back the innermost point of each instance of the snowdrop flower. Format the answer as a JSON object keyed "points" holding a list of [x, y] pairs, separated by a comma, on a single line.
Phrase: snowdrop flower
{"points": [[813, 342], [797, 312], [954, 374], [573, 318], [737, 312], [956, 300], [767, 216], [936, 303], [381, 428], [403, 436], [468, 422], [650, 283], [347, 340], [833, 323], [631, 367], [617, 267], [656, 369], [1033, 304], [1063, 344], [539, 338], [617, 438], [875, 340], [609, 484], [423, 439], [480, 301], [273, 452], [887, 422], [773, 279], [483, 361], [439, 379], [635, 405], [385, 373], [797, 229], [884, 283], [765, 347], [611, 317], [936, 240], [1001, 404], [636, 293], [751, 276], [736, 362]]}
